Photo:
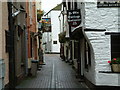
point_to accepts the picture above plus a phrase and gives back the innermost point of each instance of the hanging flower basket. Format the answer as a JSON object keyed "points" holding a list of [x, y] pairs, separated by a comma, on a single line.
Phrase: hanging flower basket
{"points": [[62, 38], [39, 15]]}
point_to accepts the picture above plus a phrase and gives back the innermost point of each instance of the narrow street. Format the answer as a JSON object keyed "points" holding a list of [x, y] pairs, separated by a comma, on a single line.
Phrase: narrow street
{"points": [[80, 39], [55, 74]]}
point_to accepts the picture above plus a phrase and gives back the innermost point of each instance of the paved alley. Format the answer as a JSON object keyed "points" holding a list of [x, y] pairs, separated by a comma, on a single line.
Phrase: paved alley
{"points": [[55, 74]]}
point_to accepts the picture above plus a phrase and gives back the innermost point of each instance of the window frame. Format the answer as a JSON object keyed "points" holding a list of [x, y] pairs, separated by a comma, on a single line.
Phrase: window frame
{"points": [[115, 42]]}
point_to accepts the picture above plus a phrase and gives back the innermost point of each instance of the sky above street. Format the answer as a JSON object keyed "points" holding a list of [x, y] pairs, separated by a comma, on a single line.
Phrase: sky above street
{"points": [[49, 4]]}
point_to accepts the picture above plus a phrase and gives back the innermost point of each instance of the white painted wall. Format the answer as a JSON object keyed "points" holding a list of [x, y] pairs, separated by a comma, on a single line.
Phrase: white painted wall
{"points": [[46, 38], [55, 30], [100, 18]]}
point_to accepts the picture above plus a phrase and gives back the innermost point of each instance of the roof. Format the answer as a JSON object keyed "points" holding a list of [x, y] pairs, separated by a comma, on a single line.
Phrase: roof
{"points": [[57, 8]]}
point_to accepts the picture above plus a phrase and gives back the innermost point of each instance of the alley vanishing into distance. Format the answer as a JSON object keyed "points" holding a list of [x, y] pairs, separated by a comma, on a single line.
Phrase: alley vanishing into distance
{"points": [[55, 74], [71, 44]]}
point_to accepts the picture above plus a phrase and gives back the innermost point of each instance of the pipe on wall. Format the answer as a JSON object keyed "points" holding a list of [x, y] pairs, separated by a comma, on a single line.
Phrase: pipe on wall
{"points": [[12, 79]]}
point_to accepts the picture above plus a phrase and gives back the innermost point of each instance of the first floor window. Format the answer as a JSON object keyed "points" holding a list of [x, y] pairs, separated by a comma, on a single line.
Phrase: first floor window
{"points": [[54, 42], [115, 46]]}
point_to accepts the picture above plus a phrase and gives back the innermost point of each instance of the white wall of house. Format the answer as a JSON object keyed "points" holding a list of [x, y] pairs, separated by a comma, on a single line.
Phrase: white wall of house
{"points": [[46, 38], [100, 18], [55, 30]]}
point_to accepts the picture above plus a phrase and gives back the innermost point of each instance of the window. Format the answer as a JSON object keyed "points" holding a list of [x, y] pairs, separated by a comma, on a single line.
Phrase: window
{"points": [[69, 5], [115, 46], [87, 55], [64, 4], [54, 42], [75, 5]]}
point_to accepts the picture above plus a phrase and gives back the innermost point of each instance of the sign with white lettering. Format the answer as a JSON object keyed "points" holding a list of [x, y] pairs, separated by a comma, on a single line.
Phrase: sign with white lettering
{"points": [[74, 17], [101, 4]]}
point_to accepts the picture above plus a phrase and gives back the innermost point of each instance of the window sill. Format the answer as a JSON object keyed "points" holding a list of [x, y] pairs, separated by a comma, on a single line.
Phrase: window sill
{"points": [[109, 72]]}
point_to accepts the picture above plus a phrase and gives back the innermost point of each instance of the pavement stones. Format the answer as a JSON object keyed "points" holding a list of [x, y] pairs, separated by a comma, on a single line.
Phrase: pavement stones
{"points": [[55, 74]]}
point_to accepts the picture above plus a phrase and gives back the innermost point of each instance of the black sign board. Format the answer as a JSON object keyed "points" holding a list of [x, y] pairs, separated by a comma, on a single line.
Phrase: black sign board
{"points": [[74, 17], [108, 4]]}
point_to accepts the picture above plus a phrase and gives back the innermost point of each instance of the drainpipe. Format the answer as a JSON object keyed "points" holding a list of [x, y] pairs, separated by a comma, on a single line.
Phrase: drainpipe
{"points": [[60, 31], [12, 80], [59, 21]]}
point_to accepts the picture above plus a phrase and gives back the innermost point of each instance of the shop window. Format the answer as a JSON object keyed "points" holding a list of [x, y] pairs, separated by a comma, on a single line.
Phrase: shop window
{"points": [[54, 42], [87, 55], [115, 46]]}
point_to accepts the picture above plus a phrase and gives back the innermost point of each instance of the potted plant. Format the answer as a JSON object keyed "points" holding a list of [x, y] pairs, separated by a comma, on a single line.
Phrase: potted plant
{"points": [[62, 38], [115, 64]]}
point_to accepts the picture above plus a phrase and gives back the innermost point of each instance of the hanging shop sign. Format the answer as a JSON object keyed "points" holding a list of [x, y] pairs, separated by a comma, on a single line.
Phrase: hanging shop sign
{"points": [[46, 24], [110, 3], [74, 17]]}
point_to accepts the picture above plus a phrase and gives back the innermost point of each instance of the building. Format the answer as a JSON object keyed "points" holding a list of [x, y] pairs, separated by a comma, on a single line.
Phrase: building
{"points": [[13, 43], [19, 41], [39, 32], [50, 38], [32, 41], [4, 56], [94, 39], [16, 42]]}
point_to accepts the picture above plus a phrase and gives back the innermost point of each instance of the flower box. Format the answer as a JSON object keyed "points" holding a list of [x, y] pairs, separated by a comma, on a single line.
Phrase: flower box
{"points": [[116, 67], [115, 64]]}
